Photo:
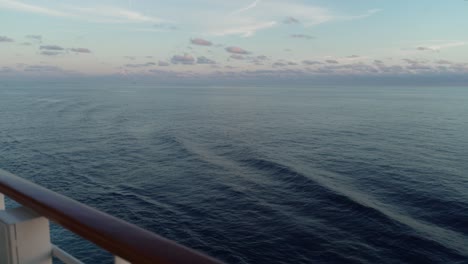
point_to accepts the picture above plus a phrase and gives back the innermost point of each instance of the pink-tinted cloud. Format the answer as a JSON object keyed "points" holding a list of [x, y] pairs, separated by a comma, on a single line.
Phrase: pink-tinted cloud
{"points": [[236, 50], [183, 59], [200, 42], [302, 36], [81, 50]]}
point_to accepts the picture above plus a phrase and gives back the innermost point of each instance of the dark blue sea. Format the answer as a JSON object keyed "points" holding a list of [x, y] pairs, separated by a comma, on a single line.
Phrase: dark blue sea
{"points": [[253, 174]]}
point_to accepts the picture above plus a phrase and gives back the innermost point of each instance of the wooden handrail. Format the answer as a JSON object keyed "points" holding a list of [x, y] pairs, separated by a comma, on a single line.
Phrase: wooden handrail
{"points": [[123, 239]]}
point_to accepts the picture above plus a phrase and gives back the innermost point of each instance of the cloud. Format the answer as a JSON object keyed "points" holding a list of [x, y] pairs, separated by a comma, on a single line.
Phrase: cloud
{"points": [[439, 47], [279, 64], [237, 57], [100, 14], [42, 68], [50, 53], [236, 50], [5, 69], [413, 61], [22, 7], [5, 39], [368, 13], [183, 59], [443, 62], [81, 50], [310, 62], [423, 48], [51, 47], [245, 30], [109, 14], [200, 42], [252, 5], [130, 57], [205, 60], [291, 20], [34, 37], [163, 63], [354, 56], [332, 61], [148, 64], [303, 36]]}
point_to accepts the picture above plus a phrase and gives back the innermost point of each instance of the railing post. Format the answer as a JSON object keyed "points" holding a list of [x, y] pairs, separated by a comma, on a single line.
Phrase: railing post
{"points": [[118, 260], [24, 237], [2, 201]]}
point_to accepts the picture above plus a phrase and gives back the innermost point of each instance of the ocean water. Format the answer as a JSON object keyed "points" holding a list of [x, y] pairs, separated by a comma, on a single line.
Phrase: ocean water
{"points": [[254, 174]]}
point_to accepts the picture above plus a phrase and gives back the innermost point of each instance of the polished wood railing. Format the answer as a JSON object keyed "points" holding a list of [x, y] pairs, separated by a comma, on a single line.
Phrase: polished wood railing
{"points": [[124, 240]]}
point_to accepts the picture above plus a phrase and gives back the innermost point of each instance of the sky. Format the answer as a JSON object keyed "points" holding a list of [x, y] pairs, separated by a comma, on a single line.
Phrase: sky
{"points": [[245, 39]]}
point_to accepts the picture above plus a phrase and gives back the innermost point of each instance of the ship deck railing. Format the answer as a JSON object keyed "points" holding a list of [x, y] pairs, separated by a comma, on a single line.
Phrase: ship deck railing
{"points": [[25, 230]]}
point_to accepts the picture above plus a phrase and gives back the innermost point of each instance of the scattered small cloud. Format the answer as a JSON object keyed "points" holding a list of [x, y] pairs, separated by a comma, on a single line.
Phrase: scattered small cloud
{"points": [[279, 64], [140, 65], [423, 48], [236, 50], [35, 37], [130, 57], [163, 63], [237, 57], [5, 69], [81, 50], [51, 47], [332, 61], [441, 46], [42, 68], [291, 20], [443, 62], [200, 42], [311, 62], [183, 59], [353, 56], [301, 36], [205, 60], [50, 53], [412, 61], [5, 39], [26, 44]]}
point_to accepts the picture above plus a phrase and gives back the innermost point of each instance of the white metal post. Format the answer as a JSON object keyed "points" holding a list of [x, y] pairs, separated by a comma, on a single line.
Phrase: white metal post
{"points": [[24, 237], [118, 260], [2, 201]]}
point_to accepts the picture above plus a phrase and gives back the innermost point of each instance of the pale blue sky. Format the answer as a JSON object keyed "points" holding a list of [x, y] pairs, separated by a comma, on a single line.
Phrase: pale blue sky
{"points": [[236, 38]]}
